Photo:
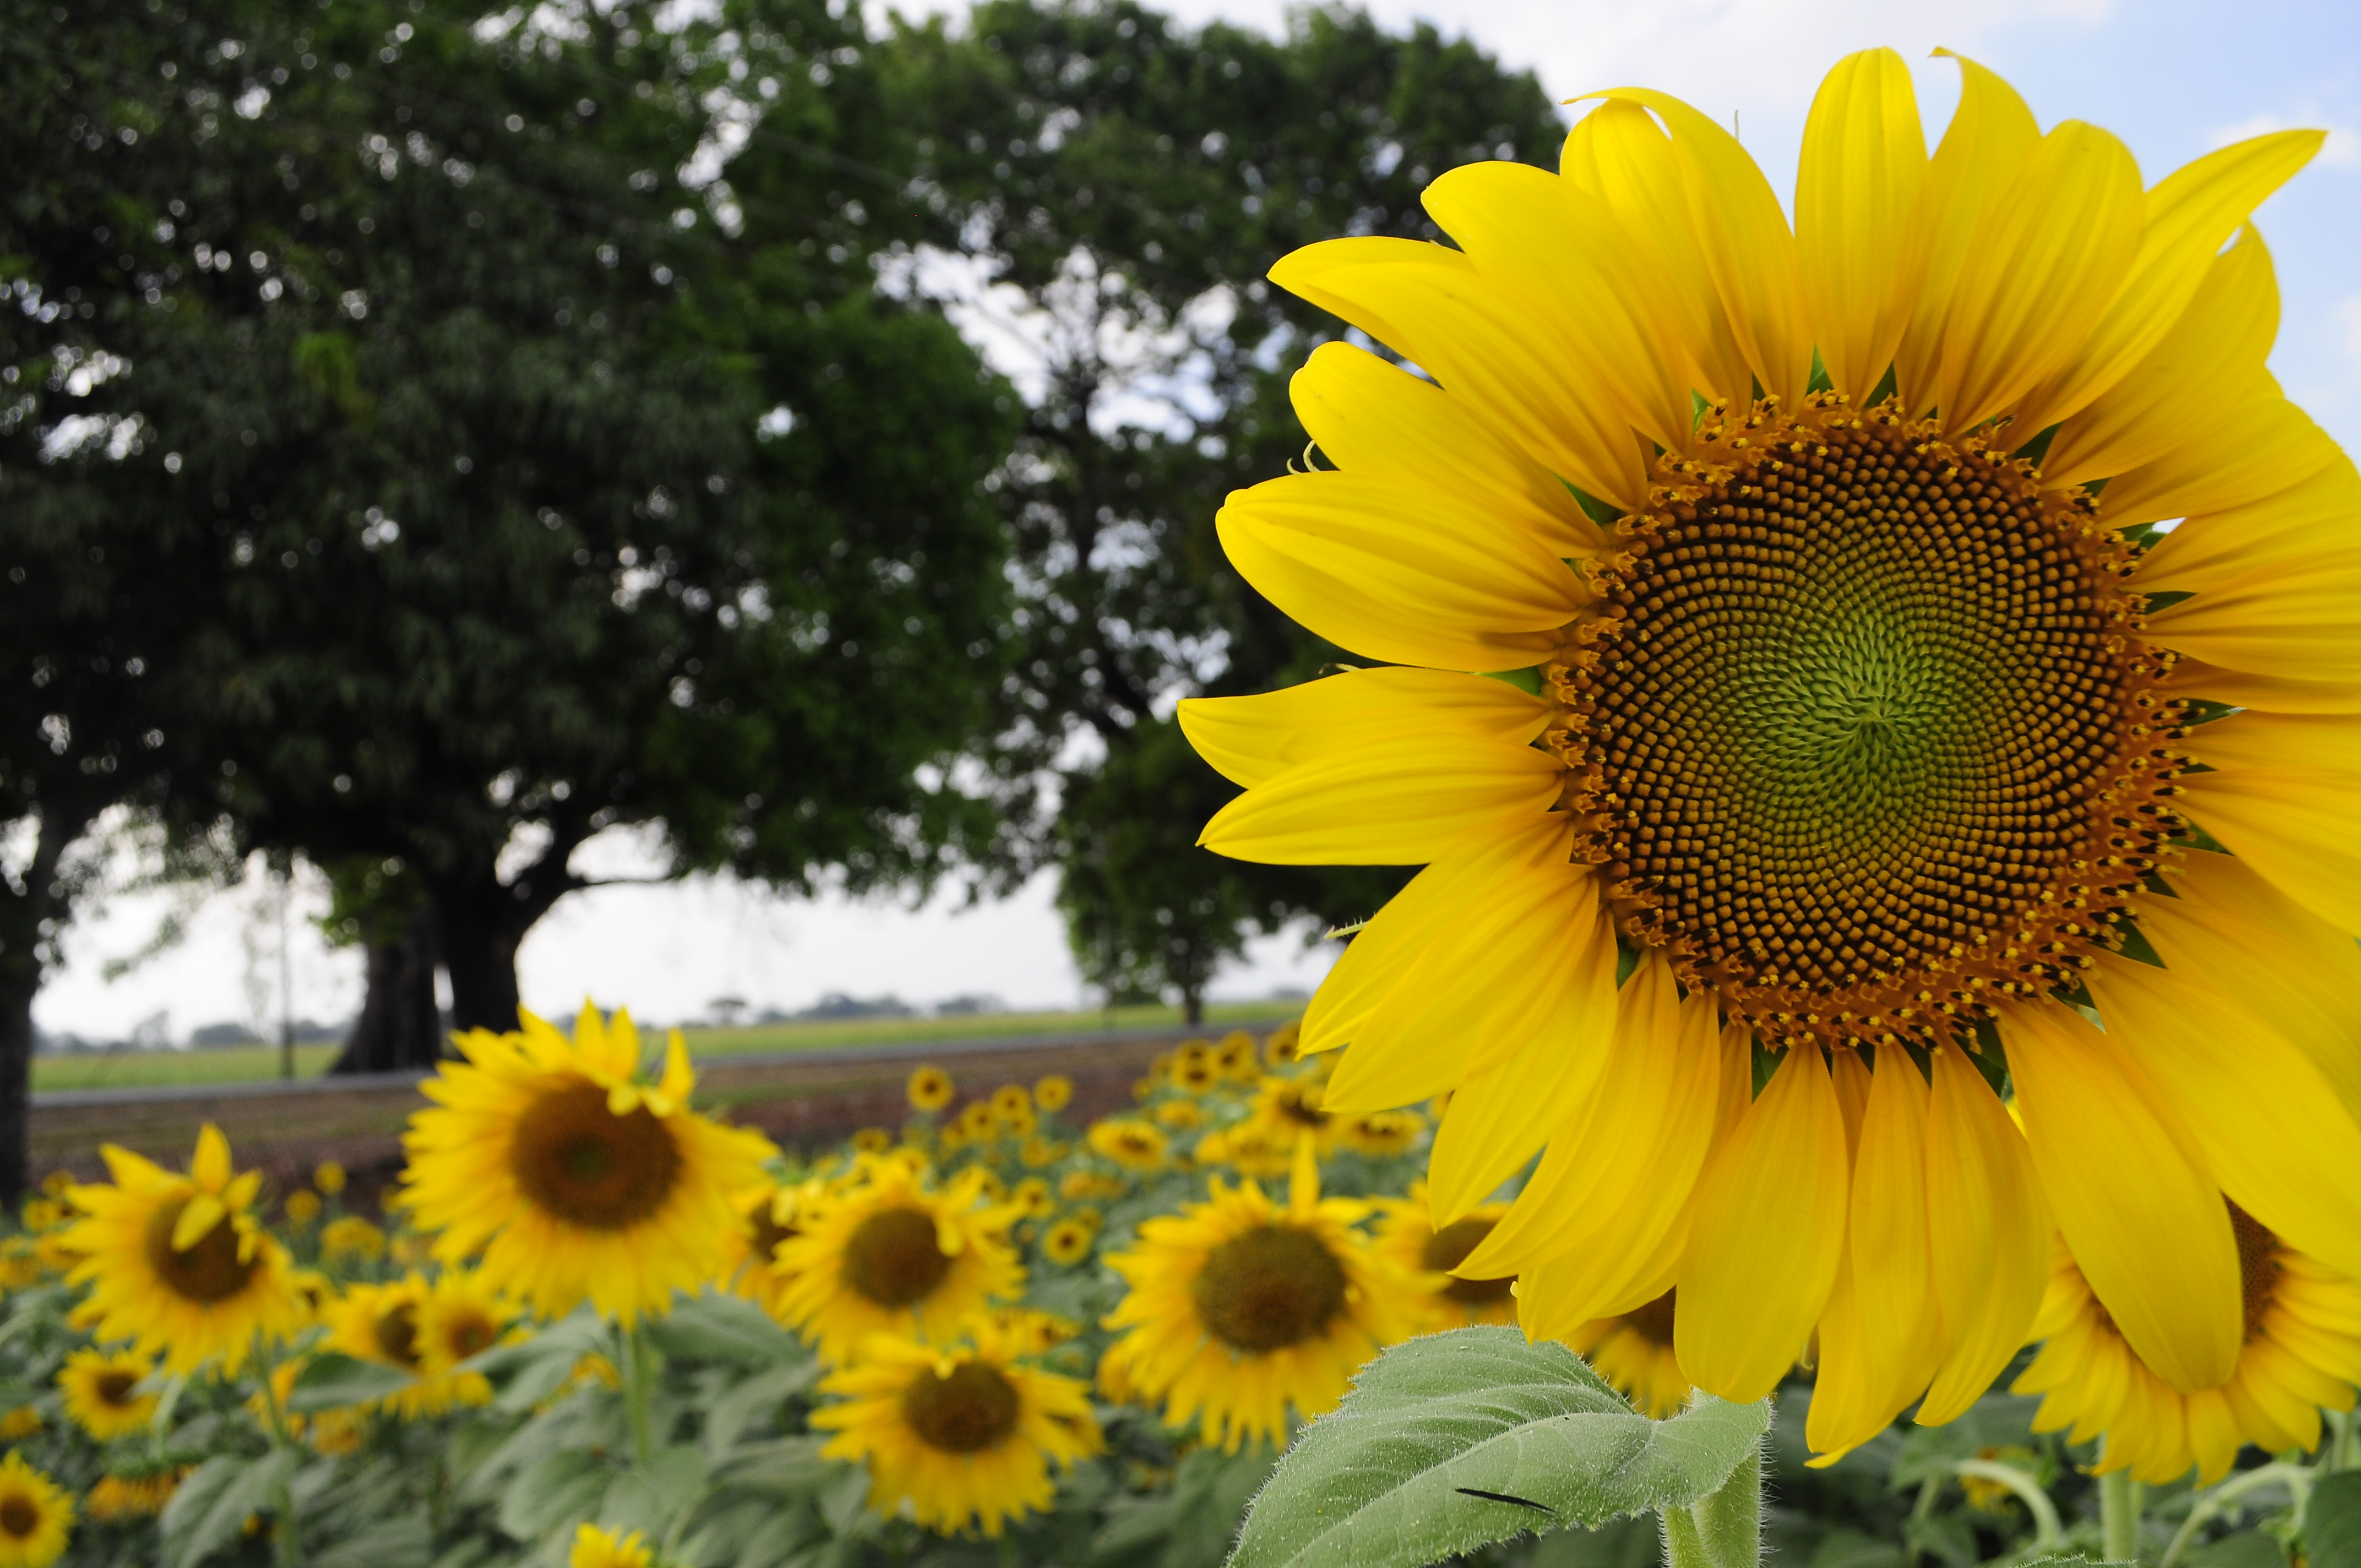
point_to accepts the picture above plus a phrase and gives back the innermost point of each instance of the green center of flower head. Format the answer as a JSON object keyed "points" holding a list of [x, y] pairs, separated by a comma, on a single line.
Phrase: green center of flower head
{"points": [[1268, 1288], [966, 1412], [1865, 733], [589, 1167], [893, 1258], [208, 1270]]}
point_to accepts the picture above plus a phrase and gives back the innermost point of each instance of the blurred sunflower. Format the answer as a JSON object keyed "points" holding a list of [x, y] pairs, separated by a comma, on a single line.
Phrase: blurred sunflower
{"points": [[1281, 1048], [1192, 1070], [976, 1122], [328, 1177], [458, 1320], [1077, 1185], [1633, 1351], [1066, 1242], [20, 1263], [872, 1140], [1032, 1199], [100, 1390], [1037, 1151], [1876, 629], [1180, 1115], [113, 1499], [302, 1208], [597, 1548], [1380, 1134], [962, 1437], [177, 1264], [1240, 1308], [379, 1324], [930, 1089], [1426, 1257], [571, 1176], [1251, 1147], [1288, 1109], [36, 1516], [895, 1253], [20, 1423], [1053, 1092], [2300, 1350], [351, 1240], [1233, 1057], [768, 1215], [1130, 1143]]}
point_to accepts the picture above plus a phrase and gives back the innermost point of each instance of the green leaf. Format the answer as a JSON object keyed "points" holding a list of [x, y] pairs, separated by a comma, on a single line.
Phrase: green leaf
{"points": [[724, 1328], [557, 1488], [1452, 1441], [213, 1505], [530, 1372], [1190, 1525], [2332, 1521], [335, 1381], [403, 1542], [2244, 1549], [654, 1497]]}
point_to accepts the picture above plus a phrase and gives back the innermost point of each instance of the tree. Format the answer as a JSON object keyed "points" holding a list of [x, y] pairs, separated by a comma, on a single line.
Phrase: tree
{"points": [[1113, 189]]}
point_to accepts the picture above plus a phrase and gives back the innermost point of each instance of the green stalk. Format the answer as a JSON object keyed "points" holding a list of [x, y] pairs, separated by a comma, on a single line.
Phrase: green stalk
{"points": [[2049, 1535], [2119, 1516], [2212, 1502], [635, 1392], [1723, 1529]]}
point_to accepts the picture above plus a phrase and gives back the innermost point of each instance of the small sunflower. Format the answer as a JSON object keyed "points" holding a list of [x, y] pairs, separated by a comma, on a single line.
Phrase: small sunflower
{"points": [[20, 1423], [379, 1324], [1180, 1115], [1282, 1047], [302, 1208], [1133, 1143], [1633, 1351], [1240, 1308], [100, 1390], [1233, 1057], [571, 1176], [352, 1240], [597, 1548], [962, 1437], [459, 1319], [117, 1497], [1053, 1092], [1081, 1186], [2300, 1352], [1380, 1134], [976, 1122], [895, 1253], [177, 1264], [1031, 1198], [20, 1263], [930, 1089], [1066, 1242], [328, 1177], [1407, 1239], [768, 1215], [1252, 1148], [36, 1516], [1288, 1109], [872, 1140], [1037, 1151], [1194, 1070]]}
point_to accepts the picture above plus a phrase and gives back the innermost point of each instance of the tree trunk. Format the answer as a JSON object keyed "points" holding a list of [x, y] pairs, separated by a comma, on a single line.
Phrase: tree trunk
{"points": [[482, 922], [1192, 1007], [16, 1086], [400, 1028], [31, 915]]}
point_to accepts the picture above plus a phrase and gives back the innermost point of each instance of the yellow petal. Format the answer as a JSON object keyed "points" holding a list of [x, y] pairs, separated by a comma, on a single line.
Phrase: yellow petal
{"points": [[1566, 260], [2294, 826], [678, 1078], [1393, 940], [1990, 1252], [2195, 677], [1497, 1120], [1399, 572], [2278, 740], [196, 1220], [2187, 217], [1537, 953], [1619, 153], [2050, 257], [1618, 1174], [1900, 1341], [1765, 1237], [1743, 237], [1370, 417], [1991, 135], [2301, 974], [2170, 396], [1433, 306], [210, 1168], [2272, 1131], [1252, 740], [1856, 191], [2300, 629], [1404, 801], [240, 1191], [2254, 449], [1849, 1075], [2313, 523], [2146, 1223]]}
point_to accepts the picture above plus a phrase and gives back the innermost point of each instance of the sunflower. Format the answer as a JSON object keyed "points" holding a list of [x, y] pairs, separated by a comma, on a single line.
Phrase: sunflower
{"points": [[1842, 691], [1180, 1115], [872, 1140], [1420, 1253], [1633, 1351], [1240, 1308], [571, 1176], [117, 1497], [1380, 1134], [1133, 1143], [768, 1215], [1194, 1070], [1234, 1056], [1252, 1148], [328, 1177], [1037, 1151], [379, 1324], [597, 1548], [20, 1423], [20, 1263], [1288, 1109], [1068, 1240], [2299, 1350], [1053, 1092], [895, 1253], [1032, 1199], [100, 1390], [351, 1240], [930, 1089], [1078, 1185], [962, 1436], [1281, 1048], [36, 1516], [177, 1264], [301, 1208]]}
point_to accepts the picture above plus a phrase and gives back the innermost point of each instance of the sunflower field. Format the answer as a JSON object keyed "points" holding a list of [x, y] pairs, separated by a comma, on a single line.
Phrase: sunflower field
{"points": [[605, 1331]]}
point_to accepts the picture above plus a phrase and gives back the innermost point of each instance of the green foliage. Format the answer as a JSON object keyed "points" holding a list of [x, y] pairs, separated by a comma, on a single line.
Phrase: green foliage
{"points": [[1451, 1442], [2332, 1523]]}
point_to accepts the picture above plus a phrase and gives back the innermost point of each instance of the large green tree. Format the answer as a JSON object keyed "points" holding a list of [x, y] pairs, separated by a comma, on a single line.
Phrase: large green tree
{"points": [[1108, 190]]}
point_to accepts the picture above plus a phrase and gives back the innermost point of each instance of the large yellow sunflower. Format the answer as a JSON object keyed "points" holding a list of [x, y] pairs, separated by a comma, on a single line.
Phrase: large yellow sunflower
{"points": [[178, 1265], [569, 1173], [100, 1390], [1240, 1309], [963, 1436], [2300, 1350], [36, 1516], [1426, 1257], [895, 1253], [1840, 689]]}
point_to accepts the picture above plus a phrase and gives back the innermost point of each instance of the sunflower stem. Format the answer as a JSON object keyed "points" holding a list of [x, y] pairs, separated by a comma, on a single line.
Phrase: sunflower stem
{"points": [[635, 1392], [1723, 1529], [2119, 1516]]}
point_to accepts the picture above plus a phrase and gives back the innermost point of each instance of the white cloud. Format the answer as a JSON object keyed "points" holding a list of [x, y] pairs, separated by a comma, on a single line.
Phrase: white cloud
{"points": [[2342, 150]]}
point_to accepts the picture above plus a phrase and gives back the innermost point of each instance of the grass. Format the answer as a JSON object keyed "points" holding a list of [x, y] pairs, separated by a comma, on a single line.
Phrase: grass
{"points": [[246, 1064]]}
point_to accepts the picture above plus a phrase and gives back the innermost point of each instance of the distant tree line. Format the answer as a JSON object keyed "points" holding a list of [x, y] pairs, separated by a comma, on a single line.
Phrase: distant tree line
{"points": [[429, 439]]}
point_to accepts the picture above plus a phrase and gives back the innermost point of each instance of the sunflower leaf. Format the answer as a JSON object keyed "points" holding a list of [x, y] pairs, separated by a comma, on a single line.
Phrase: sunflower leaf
{"points": [[212, 1506], [1455, 1440], [335, 1381]]}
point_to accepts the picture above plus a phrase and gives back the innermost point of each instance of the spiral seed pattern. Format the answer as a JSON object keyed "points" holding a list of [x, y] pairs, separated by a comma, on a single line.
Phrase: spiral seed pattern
{"points": [[1864, 731]]}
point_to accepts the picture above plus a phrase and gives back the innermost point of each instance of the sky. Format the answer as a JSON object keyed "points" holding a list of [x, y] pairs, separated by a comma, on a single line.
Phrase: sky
{"points": [[2173, 78]]}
